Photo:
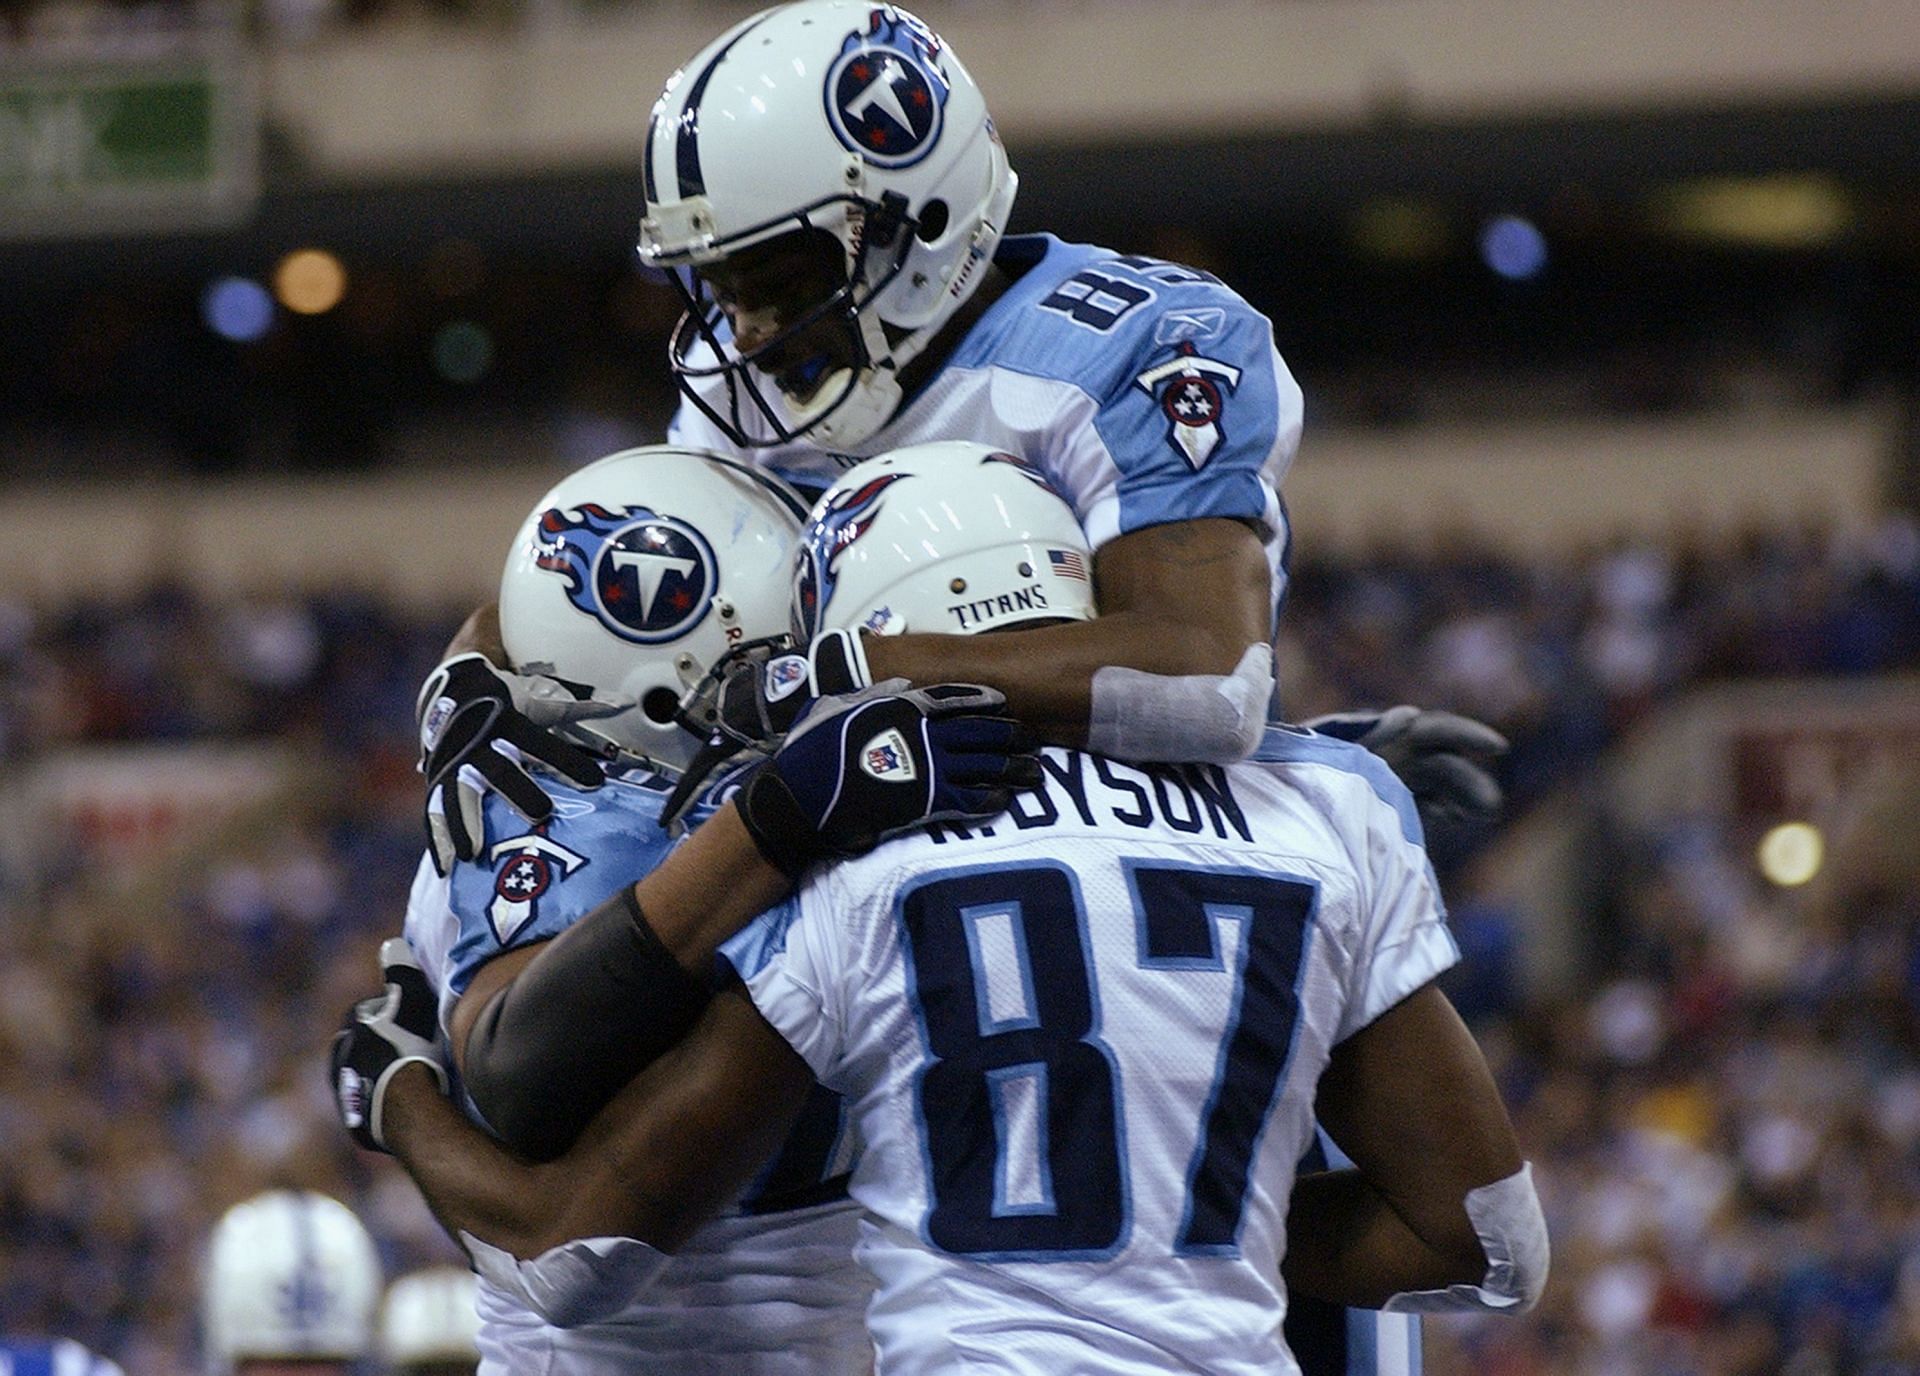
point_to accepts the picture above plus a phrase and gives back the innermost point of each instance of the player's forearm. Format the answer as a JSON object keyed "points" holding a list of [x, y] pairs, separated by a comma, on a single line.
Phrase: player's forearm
{"points": [[1047, 673], [470, 1182], [627, 1176], [1347, 1245], [1180, 603], [708, 889]]}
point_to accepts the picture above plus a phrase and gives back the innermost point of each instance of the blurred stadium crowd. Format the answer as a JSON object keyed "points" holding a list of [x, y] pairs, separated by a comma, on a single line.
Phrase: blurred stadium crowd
{"points": [[1724, 1114], [1725, 1119]]}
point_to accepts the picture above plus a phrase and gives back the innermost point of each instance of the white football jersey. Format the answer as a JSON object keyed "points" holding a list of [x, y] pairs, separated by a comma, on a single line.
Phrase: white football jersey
{"points": [[1081, 1045], [1147, 393], [771, 1288]]}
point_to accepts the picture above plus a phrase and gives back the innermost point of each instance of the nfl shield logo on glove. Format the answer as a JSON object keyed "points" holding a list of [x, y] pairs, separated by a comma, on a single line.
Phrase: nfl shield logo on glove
{"points": [[784, 676], [351, 1086], [887, 758]]}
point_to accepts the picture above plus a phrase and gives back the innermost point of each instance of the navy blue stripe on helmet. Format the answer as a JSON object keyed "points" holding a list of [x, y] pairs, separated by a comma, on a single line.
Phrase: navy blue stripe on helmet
{"points": [[686, 153]]}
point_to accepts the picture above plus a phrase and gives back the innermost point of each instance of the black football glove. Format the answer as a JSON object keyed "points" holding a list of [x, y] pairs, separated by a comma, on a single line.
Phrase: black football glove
{"points": [[860, 768], [379, 1035], [752, 697], [1442, 758], [469, 708], [764, 692]]}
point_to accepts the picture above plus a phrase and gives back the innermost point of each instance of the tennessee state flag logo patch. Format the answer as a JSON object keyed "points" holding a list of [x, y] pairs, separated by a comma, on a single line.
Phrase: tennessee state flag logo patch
{"points": [[527, 869], [1192, 391]]}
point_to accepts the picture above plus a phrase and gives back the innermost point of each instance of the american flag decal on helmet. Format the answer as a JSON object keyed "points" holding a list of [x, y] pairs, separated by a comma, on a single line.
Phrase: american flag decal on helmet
{"points": [[1068, 563]]}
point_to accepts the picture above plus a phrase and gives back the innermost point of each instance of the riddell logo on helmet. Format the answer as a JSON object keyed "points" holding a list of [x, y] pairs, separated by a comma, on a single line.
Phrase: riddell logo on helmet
{"points": [[976, 255]]}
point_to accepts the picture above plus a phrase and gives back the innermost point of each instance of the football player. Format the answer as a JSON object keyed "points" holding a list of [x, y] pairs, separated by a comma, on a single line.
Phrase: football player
{"points": [[826, 187], [630, 578], [290, 1286], [1082, 1041]]}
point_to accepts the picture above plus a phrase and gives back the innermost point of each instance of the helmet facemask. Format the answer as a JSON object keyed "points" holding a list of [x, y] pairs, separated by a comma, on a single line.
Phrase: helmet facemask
{"points": [[771, 398]]}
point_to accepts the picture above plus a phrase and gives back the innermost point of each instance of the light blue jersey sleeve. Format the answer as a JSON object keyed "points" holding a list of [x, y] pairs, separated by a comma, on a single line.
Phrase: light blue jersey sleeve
{"points": [[1165, 396], [534, 882]]}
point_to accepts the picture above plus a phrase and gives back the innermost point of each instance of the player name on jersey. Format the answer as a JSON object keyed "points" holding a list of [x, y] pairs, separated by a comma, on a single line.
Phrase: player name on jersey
{"points": [[1194, 799]]}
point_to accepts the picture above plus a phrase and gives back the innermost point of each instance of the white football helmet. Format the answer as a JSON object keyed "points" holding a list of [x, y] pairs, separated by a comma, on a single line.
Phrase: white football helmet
{"points": [[430, 1317], [841, 116], [289, 1274], [631, 577], [951, 536]]}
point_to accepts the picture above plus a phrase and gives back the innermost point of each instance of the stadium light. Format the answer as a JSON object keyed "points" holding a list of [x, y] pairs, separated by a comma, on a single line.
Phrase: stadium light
{"points": [[462, 351], [1791, 853], [1513, 247], [237, 308], [310, 281]]}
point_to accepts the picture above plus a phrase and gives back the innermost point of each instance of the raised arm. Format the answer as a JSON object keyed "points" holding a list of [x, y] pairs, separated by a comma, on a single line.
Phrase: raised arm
{"points": [[1439, 1212]]}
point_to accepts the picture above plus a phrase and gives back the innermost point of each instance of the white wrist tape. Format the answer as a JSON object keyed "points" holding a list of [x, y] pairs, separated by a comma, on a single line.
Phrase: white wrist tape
{"points": [[1210, 718], [588, 1280], [1507, 1217]]}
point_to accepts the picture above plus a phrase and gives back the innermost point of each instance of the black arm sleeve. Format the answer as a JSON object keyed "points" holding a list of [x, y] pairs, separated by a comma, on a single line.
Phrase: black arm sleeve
{"points": [[590, 1012]]}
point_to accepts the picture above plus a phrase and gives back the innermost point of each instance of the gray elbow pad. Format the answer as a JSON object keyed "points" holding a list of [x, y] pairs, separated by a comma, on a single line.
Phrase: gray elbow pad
{"points": [[1188, 718]]}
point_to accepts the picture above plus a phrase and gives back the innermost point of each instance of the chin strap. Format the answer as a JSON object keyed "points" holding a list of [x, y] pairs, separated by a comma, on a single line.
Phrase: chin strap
{"points": [[868, 404]]}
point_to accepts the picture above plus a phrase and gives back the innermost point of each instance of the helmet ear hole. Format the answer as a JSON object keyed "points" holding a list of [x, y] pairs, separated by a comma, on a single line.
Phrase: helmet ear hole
{"points": [[933, 220], [661, 705]]}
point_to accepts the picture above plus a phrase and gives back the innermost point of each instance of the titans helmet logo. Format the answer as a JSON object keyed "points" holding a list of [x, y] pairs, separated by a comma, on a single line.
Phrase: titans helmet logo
{"points": [[816, 566], [645, 577], [886, 95]]}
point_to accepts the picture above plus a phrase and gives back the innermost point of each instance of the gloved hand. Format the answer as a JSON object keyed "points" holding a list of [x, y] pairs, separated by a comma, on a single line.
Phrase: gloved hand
{"points": [[1441, 757], [762, 694], [467, 710], [762, 687], [862, 767], [381, 1034]]}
